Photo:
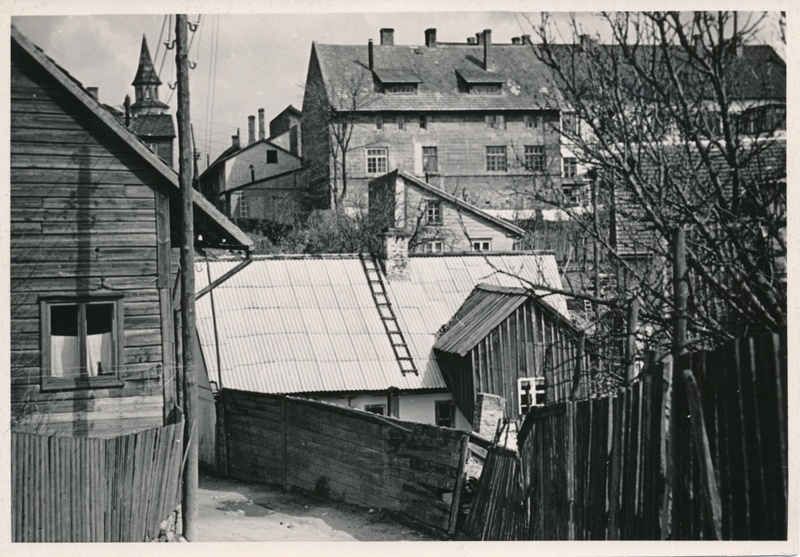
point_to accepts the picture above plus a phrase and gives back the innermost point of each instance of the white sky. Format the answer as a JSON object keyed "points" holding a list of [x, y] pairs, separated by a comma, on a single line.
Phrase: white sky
{"points": [[261, 58]]}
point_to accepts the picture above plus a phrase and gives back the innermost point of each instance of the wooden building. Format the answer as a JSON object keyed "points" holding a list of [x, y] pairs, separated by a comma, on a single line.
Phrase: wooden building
{"points": [[94, 235], [435, 220], [509, 342]]}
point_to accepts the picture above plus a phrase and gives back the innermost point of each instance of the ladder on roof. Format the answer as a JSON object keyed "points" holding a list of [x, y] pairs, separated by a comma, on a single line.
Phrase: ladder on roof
{"points": [[396, 338]]}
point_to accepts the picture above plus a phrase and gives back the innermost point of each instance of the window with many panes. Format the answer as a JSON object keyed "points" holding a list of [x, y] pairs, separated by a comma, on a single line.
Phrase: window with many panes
{"points": [[401, 88], [496, 160], [433, 212], [241, 208], [482, 245], [534, 158], [496, 121], [530, 392], [445, 413], [486, 89], [430, 159], [570, 167], [81, 341], [570, 124], [377, 160], [531, 121]]}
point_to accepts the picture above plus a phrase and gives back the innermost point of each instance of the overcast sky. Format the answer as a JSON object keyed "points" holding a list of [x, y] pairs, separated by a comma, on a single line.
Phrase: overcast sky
{"points": [[244, 61]]}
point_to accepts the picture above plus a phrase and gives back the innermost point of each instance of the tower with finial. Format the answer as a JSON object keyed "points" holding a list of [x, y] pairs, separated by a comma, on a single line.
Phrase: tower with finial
{"points": [[147, 116]]}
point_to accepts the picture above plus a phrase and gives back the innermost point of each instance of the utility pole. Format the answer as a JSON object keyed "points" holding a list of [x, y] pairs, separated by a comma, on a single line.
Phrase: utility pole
{"points": [[185, 160], [680, 288]]}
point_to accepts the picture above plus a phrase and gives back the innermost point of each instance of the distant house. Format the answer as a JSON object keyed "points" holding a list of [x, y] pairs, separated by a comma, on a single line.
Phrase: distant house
{"points": [[258, 180], [435, 220], [507, 341], [478, 117], [346, 329], [93, 241]]}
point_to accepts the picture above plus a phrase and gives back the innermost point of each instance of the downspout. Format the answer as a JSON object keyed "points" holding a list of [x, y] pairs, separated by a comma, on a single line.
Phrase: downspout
{"points": [[214, 322]]}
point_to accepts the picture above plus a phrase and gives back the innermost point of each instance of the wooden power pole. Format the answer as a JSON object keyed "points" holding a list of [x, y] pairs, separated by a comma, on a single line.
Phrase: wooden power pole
{"points": [[185, 161], [680, 286]]}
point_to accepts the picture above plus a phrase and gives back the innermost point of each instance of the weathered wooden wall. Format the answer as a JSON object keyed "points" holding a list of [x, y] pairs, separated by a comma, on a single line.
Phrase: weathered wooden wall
{"points": [[86, 217], [677, 455], [78, 489], [409, 468]]}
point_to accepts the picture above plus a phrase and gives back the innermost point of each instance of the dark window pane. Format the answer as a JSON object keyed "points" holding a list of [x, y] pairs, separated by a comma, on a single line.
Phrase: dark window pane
{"points": [[99, 318], [64, 320]]}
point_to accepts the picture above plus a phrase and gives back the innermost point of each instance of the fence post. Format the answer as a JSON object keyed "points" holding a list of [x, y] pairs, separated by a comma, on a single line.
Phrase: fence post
{"points": [[711, 497], [630, 347], [283, 440], [680, 287], [571, 468], [667, 451], [580, 350]]}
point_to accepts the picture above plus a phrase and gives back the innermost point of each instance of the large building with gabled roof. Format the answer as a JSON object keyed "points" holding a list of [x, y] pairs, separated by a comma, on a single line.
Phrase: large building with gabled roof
{"points": [[477, 119]]}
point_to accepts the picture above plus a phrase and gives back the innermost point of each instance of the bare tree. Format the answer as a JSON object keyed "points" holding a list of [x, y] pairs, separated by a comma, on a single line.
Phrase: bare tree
{"points": [[681, 128]]}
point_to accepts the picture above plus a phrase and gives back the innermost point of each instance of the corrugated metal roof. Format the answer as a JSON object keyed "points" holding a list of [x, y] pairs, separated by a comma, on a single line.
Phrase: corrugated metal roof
{"points": [[293, 324]]}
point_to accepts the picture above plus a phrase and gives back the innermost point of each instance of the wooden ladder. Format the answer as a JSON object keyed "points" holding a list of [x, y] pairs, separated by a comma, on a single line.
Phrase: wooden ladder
{"points": [[388, 317]]}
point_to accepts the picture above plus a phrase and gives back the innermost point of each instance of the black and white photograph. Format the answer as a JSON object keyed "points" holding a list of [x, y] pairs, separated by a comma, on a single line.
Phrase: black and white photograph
{"points": [[377, 273]]}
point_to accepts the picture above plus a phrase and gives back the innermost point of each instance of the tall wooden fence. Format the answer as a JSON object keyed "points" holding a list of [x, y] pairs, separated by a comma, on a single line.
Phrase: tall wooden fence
{"points": [[81, 489], [409, 468], [695, 449]]}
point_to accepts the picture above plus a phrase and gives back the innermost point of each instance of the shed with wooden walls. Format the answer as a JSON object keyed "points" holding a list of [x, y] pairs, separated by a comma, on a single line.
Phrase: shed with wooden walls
{"points": [[509, 342], [94, 227]]}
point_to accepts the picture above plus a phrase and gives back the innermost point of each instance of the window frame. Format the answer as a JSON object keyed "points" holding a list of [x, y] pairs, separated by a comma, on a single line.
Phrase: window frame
{"points": [[534, 161], [431, 246], [434, 156], [433, 207], [493, 166], [496, 121], [401, 88], [377, 158], [532, 121], [424, 122], [451, 413], [487, 241], [274, 153], [570, 163], [376, 406], [539, 387], [378, 122], [106, 380], [401, 122]]}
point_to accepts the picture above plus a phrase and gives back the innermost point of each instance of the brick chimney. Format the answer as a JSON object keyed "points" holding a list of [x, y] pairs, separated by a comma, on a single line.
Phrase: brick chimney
{"points": [[479, 38], [430, 38], [526, 39], [395, 254], [370, 54], [488, 63], [93, 92], [516, 40], [251, 129], [261, 132], [235, 141], [472, 40], [588, 42], [387, 36]]}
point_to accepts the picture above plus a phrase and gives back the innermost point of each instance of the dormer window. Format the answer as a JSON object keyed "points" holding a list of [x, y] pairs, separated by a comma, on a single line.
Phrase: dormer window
{"points": [[401, 88], [397, 81], [477, 81], [486, 89]]}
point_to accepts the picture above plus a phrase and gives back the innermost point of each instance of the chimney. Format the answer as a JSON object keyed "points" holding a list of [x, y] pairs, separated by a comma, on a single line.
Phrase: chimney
{"points": [[387, 36], [235, 140], [479, 38], [430, 38], [526, 39], [370, 54], [261, 124], [588, 42], [395, 254], [93, 92], [472, 40], [487, 50], [127, 111], [251, 129], [516, 40], [697, 43]]}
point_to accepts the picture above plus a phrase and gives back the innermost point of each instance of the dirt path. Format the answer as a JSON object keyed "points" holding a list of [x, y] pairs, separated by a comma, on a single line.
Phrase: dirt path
{"points": [[229, 510]]}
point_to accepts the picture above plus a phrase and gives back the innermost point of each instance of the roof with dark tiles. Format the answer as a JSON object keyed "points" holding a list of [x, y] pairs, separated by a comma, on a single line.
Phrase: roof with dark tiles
{"points": [[152, 125]]}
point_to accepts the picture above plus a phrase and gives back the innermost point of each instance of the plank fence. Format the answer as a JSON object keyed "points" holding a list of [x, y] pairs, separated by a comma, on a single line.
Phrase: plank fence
{"points": [[412, 469], [694, 449], [82, 489]]}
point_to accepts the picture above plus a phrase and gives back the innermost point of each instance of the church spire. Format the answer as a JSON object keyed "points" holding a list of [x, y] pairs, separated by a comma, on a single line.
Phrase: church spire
{"points": [[146, 74], [146, 85]]}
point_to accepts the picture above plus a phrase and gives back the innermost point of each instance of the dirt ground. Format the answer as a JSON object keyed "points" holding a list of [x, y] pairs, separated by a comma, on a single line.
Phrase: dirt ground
{"points": [[229, 510]]}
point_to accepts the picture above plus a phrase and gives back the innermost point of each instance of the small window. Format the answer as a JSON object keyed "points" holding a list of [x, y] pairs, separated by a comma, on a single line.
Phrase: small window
{"points": [[434, 246], [445, 413], [401, 88], [486, 89], [530, 392], [570, 123], [482, 245], [82, 342], [496, 121], [378, 122], [379, 409], [423, 122], [377, 160], [147, 94], [252, 173], [571, 194], [242, 209], [570, 167], [401, 122], [531, 121], [430, 159], [272, 156], [496, 160], [433, 213], [534, 158]]}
